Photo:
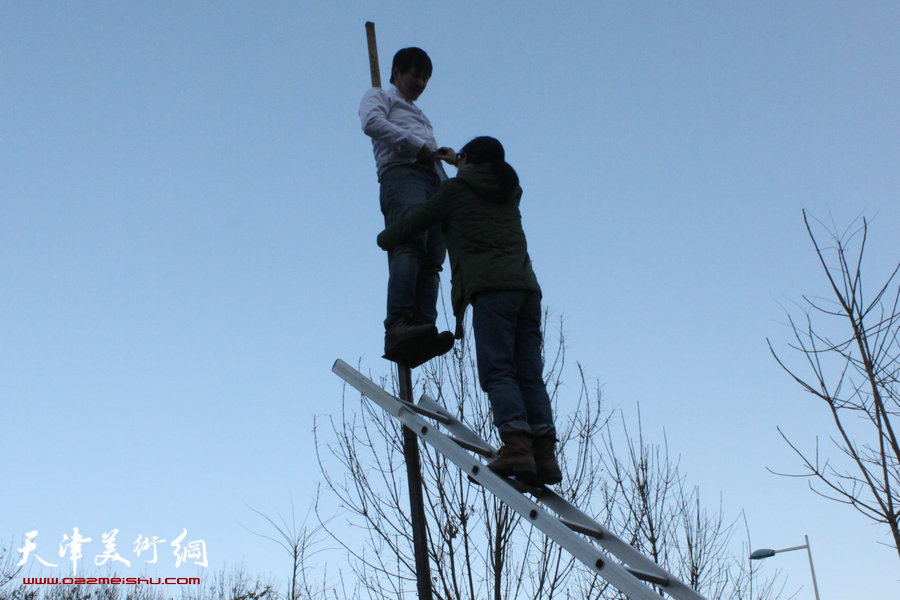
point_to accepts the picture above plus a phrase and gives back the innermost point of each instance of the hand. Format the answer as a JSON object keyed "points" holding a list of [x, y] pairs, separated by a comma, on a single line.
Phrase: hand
{"points": [[448, 155]]}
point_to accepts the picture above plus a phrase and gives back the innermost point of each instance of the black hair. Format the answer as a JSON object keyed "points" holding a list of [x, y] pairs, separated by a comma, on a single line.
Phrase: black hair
{"points": [[485, 149], [407, 58]]}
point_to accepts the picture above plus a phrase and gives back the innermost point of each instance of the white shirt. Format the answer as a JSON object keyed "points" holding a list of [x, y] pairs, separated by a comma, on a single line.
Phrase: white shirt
{"points": [[398, 129]]}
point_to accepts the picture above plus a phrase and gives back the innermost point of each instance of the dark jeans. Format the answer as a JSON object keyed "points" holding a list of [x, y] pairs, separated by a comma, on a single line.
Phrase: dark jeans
{"points": [[414, 265], [507, 326]]}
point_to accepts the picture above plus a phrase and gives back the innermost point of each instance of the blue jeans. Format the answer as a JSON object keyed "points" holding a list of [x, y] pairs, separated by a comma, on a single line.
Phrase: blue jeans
{"points": [[507, 327], [413, 266]]}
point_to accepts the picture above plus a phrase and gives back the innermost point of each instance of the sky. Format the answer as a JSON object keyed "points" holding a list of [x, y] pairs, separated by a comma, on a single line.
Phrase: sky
{"points": [[188, 213]]}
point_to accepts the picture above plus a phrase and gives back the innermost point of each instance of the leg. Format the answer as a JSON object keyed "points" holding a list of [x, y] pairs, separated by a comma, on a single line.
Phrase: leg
{"points": [[494, 322], [404, 189], [530, 367], [534, 391], [494, 319], [435, 250]]}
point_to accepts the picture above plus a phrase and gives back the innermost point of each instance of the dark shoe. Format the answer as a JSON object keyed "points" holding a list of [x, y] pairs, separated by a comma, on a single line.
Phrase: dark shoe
{"points": [[403, 332], [516, 457], [434, 346], [545, 463], [420, 350]]}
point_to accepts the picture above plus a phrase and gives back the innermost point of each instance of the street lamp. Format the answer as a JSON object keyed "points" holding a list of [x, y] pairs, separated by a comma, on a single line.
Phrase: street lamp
{"points": [[767, 552]]}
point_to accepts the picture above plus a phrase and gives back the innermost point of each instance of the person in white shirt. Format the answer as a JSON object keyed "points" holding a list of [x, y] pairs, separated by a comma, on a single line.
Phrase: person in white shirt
{"points": [[408, 161]]}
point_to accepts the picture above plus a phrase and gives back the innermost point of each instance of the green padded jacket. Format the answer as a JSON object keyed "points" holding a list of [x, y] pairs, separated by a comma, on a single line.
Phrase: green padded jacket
{"points": [[483, 231]]}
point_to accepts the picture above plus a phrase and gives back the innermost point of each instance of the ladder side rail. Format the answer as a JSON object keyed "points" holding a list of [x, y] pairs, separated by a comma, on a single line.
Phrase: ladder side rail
{"points": [[614, 573], [564, 509]]}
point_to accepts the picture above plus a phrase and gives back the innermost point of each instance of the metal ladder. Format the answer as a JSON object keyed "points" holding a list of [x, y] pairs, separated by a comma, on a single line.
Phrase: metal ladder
{"points": [[554, 516]]}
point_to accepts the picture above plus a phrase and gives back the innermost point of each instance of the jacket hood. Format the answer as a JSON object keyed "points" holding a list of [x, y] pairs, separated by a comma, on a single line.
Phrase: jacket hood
{"points": [[486, 184]]}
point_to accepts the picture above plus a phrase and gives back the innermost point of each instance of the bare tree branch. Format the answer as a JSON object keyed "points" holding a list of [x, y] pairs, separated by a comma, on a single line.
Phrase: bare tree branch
{"points": [[862, 368]]}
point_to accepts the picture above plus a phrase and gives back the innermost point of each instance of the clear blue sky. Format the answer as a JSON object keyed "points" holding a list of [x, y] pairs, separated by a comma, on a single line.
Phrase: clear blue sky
{"points": [[188, 211]]}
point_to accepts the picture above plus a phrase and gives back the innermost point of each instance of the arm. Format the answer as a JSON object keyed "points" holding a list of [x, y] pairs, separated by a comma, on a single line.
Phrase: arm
{"points": [[434, 211], [446, 154], [373, 115]]}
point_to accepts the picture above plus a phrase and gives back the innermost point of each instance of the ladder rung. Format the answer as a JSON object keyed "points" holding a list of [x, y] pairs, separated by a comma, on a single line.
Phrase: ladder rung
{"points": [[660, 580], [440, 418], [582, 528], [478, 449], [525, 488]]}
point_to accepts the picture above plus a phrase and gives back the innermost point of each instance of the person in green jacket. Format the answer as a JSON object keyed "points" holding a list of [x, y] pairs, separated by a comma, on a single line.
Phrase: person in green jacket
{"points": [[491, 270]]}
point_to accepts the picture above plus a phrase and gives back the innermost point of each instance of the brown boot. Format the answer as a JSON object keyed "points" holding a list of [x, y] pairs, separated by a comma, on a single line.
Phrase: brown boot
{"points": [[516, 457], [547, 467]]}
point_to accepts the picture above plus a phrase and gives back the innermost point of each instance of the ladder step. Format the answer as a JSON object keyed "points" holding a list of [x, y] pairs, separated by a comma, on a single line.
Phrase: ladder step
{"points": [[473, 447], [526, 488], [425, 412], [460, 434], [660, 580], [583, 528]]}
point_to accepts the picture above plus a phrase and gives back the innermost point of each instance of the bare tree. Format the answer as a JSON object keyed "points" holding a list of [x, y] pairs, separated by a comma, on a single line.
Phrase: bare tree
{"points": [[9, 572], [300, 542], [481, 549], [660, 514], [848, 345]]}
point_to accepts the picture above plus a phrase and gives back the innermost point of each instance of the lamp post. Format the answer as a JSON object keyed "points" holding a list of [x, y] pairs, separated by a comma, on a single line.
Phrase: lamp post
{"points": [[767, 552]]}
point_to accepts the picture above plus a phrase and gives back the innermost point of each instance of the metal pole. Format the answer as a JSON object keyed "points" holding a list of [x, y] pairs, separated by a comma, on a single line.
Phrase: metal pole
{"points": [[767, 552], [416, 498], [811, 568]]}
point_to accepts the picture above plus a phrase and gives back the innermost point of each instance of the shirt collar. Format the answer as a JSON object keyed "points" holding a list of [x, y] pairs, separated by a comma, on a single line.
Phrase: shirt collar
{"points": [[396, 92]]}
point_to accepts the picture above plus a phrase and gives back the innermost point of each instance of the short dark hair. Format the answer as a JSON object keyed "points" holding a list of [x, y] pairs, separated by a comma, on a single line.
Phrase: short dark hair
{"points": [[486, 149], [407, 58]]}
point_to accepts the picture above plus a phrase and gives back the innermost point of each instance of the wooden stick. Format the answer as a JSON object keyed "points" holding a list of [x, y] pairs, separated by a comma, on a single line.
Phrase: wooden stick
{"points": [[373, 54]]}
